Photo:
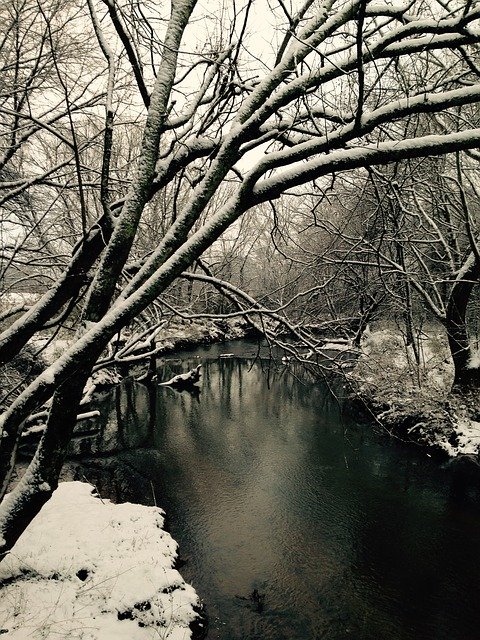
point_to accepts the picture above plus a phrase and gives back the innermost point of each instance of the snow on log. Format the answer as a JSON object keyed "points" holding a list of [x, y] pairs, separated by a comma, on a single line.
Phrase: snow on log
{"points": [[183, 379], [40, 427]]}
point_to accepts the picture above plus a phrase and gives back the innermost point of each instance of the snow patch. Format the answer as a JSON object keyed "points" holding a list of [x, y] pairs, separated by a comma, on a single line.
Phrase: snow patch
{"points": [[51, 348], [88, 569], [36, 428], [466, 439], [22, 297], [474, 361], [338, 346]]}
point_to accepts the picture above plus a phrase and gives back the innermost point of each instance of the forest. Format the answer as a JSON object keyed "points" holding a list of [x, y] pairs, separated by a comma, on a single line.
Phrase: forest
{"points": [[310, 169]]}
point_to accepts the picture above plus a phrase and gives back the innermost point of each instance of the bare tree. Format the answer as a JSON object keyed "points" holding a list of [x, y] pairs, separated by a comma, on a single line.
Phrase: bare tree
{"points": [[331, 96]]}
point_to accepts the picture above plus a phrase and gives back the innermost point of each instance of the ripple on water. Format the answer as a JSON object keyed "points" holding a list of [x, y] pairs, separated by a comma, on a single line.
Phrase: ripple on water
{"points": [[346, 537]]}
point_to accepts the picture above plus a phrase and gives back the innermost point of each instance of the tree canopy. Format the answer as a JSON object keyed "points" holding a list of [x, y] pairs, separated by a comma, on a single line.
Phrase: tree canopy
{"points": [[134, 135]]}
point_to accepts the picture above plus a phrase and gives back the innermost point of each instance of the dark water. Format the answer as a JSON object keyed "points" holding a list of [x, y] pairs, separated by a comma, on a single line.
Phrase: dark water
{"points": [[346, 534]]}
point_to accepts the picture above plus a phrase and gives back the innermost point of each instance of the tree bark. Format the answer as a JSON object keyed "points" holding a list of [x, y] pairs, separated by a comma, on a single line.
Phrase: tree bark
{"points": [[41, 478], [456, 325], [14, 338]]}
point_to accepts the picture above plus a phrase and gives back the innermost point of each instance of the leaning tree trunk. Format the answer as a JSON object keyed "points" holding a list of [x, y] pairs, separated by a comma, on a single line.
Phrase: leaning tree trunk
{"points": [[456, 325], [41, 478], [67, 288]]}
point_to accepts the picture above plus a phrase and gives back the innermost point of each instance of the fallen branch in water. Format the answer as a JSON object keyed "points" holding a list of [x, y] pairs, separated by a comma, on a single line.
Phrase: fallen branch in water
{"points": [[183, 379], [40, 428]]}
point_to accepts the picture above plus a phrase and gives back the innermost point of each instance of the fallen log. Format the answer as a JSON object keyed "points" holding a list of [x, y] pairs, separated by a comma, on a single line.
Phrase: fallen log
{"points": [[183, 380]]}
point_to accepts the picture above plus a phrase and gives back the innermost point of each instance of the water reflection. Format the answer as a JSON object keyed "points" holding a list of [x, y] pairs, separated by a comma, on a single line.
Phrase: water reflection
{"points": [[347, 535]]}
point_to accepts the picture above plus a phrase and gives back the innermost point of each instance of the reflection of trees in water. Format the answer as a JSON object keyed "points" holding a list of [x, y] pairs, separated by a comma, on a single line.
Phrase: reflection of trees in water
{"points": [[244, 408], [243, 387], [225, 417], [132, 412], [108, 456], [123, 422], [235, 380]]}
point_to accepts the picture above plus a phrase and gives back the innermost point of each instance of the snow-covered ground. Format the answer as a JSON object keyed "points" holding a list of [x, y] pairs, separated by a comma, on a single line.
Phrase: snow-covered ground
{"points": [[466, 438], [88, 569], [13, 299], [387, 375]]}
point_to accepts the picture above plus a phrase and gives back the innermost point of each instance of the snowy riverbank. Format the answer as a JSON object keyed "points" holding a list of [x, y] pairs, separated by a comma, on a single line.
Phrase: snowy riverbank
{"points": [[168, 337], [414, 401], [88, 569]]}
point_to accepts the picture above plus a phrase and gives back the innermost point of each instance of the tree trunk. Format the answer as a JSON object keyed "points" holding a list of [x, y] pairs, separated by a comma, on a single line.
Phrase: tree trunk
{"points": [[456, 325], [41, 478], [42, 475], [14, 338]]}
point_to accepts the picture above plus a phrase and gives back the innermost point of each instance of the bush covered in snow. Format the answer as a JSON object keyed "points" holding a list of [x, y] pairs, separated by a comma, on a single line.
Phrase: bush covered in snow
{"points": [[388, 368]]}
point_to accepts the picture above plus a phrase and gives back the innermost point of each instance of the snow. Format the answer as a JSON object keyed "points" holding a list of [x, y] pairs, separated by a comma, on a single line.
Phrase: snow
{"points": [[387, 355], [467, 436], [87, 569], [337, 346], [98, 379], [474, 361], [14, 298], [51, 348], [467, 265], [36, 428], [320, 164], [390, 9]]}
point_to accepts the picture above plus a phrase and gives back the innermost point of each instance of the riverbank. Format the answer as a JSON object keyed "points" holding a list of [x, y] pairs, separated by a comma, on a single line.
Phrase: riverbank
{"points": [[132, 354], [180, 335], [413, 400], [88, 569], [136, 349]]}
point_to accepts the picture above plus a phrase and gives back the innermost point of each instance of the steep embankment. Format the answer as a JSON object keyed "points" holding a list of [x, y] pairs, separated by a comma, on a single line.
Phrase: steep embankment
{"points": [[413, 400]]}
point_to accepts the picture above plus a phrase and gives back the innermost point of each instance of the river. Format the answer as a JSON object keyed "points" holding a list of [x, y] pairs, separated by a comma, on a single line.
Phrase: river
{"points": [[342, 531]]}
